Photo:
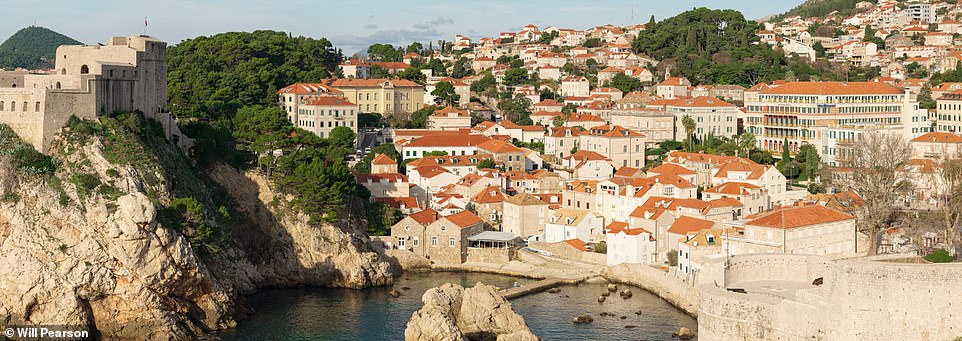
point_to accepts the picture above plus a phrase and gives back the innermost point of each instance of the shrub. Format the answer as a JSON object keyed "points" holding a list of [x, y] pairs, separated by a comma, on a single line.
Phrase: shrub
{"points": [[600, 247], [86, 183], [939, 256]]}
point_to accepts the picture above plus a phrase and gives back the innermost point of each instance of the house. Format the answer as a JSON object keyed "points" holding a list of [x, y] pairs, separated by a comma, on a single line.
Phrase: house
{"points": [[657, 220], [625, 147], [462, 89], [384, 185], [547, 105], [482, 63], [754, 197], [640, 73], [575, 86], [628, 245], [656, 125], [441, 239], [605, 75], [588, 165], [937, 145], [506, 154], [383, 164], [488, 205], [686, 227], [460, 165], [430, 179], [693, 251], [322, 114], [673, 87], [805, 229], [712, 116], [524, 215], [355, 68], [561, 141], [630, 172], [584, 120], [451, 144], [765, 176], [449, 118], [407, 205], [673, 169], [570, 223]]}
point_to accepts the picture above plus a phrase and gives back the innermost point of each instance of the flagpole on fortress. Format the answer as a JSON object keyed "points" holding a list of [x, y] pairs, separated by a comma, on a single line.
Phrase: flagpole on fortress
{"points": [[145, 25]]}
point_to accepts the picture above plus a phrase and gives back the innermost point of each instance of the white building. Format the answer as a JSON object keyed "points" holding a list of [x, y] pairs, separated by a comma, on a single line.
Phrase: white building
{"points": [[570, 223], [632, 246]]}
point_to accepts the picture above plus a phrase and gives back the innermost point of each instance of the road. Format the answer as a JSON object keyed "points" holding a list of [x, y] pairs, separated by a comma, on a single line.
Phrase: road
{"points": [[366, 139]]}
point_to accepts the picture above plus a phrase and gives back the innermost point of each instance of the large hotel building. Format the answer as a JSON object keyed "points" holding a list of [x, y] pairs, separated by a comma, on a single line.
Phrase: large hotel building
{"points": [[830, 115]]}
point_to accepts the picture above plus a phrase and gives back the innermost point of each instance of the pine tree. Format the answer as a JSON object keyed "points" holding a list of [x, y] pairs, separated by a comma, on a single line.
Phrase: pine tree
{"points": [[651, 21]]}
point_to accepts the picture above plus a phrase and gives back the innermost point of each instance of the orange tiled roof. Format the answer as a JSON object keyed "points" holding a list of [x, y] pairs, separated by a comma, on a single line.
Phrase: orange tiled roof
{"points": [[496, 146], [670, 168], [449, 110], [329, 101], [307, 88], [382, 159], [406, 202], [464, 219], [733, 188], [367, 83], [425, 217], [797, 216], [834, 88], [578, 244], [685, 225], [448, 140], [939, 137], [489, 195]]}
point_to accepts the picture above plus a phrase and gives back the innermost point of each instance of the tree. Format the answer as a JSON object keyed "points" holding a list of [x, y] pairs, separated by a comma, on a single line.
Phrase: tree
{"points": [[939, 256], [925, 98], [689, 124], [949, 195], [380, 218], [625, 83], [746, 142], [515, 76], [461, 68], [809, 161], [444, 93], [385, 53], [343, 136], [486, 86], [261, 130], [486, 164], [413, 74], [516, 109], [876, 157], [415, 47], [651, 21], [419, 118]]}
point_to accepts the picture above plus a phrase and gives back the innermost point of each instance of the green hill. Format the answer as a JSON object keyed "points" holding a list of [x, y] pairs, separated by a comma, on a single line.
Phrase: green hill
{"points": [[820, 8], [32, 48]]}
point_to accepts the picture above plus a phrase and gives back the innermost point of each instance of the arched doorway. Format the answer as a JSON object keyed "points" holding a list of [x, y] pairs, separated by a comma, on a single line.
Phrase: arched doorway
{"points": [[58, 85], [84, 70]]}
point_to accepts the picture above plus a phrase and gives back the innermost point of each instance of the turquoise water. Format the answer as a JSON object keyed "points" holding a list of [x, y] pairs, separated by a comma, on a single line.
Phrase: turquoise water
{"points": [[372, 314]]}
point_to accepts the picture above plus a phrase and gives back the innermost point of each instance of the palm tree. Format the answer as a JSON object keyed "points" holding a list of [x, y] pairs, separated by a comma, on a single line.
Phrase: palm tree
{"points": [[746, 141], [689, 124]]}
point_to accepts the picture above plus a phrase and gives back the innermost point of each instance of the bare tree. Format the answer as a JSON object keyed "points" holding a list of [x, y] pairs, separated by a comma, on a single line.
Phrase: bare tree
{"points": [[876, 158], [949, 194]]}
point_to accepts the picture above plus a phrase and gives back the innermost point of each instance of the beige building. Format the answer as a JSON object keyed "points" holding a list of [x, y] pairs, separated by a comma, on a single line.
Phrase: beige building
{"points": [[449, 118], [504, 153], [124, 75], [937, 145], [320, 115], [524, 215], [949, 114], [385, 185], [712, 116], [382, 96], [807, 229], [623, 146], [442, 239], [656, 125]]}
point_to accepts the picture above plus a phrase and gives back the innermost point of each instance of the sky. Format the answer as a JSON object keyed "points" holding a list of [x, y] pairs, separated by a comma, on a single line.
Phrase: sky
{"points": [[350, 25]]}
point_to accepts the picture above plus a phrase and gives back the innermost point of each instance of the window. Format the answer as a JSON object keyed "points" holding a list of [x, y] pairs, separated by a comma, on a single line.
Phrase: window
{"points": [[434, 241], [58, 87], [84, 70], [37, 107], [451, 242], [443, 228], [415, 241], [24, 106], [400, 241]]}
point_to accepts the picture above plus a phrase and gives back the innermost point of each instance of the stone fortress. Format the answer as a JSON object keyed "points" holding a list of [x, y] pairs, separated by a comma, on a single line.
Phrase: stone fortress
{"points": [[124, 75], [806, 297]]}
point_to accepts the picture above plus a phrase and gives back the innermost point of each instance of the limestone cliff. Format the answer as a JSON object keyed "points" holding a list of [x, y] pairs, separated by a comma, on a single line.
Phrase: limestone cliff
{"points": [[86, 246], [451, 312]]}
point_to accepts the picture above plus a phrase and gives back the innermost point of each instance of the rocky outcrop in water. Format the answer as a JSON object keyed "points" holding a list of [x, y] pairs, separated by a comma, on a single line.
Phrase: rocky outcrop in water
{"points": [[85, 246], [451, 312]]}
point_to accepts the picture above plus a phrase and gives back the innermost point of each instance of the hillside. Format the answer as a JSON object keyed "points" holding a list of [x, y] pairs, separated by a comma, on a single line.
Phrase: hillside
{"points": [[32, 48], [820, 8]]}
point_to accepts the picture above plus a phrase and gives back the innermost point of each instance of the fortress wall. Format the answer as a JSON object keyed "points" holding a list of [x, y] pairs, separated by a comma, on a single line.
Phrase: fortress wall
{"points": [[28, 124], [860, 300], [785, 267], [897, 301]]}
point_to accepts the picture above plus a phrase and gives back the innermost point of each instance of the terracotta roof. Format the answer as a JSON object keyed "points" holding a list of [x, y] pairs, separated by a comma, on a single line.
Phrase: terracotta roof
{"points": [[330, 101], [382, 159], [448, 140], [367, 83], [701, 237], [578, 244], [670, 168], [495, 146], [754, 170], [430, 171], [464, 219], [613, 131], [391, 65], [627, 171], [938, 137], [307, 88], [797, 216], [450, 110], [489, 195], [733, 188], [834, 88], [618, 227], [699, 102], [675, 81], [685, 225], [406, 202], [425, 217], [548, 103]]}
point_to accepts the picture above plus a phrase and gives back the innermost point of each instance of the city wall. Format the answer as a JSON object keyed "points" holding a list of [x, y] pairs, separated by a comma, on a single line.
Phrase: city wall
{"points": [[865, 299]]}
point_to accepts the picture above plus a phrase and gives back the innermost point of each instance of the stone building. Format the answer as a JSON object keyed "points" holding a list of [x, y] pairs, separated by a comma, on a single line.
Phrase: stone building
{"points": [[126, 74], [524, 215], [442, 239]]}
